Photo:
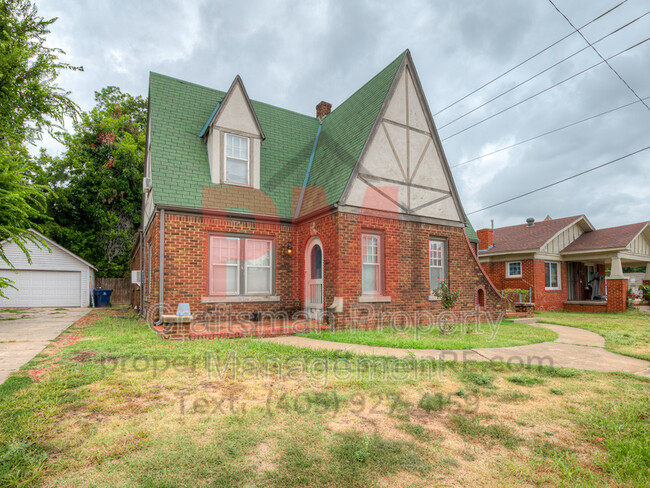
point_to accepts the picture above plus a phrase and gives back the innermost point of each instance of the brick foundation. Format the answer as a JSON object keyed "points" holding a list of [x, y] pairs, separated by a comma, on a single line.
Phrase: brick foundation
{"points": [[595, 307]]}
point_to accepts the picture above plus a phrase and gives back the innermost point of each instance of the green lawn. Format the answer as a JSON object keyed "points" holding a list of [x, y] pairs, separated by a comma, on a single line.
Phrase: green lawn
{"points": [[625, 333], [505, 334], [120, 408]]}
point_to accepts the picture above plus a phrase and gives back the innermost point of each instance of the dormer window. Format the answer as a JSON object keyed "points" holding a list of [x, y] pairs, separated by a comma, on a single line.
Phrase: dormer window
{"points": [[237, 160]]}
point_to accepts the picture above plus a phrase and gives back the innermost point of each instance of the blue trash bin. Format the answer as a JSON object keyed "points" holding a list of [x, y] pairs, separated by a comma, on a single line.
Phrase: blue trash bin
{"points": [[102, 297]]}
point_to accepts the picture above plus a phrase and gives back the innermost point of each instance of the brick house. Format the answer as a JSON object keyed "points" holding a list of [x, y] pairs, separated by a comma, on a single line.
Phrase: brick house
{"points": [[250, 208], [566, 263]]}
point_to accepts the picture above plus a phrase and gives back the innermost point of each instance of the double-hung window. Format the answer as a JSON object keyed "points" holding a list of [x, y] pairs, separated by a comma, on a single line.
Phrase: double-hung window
{"points": [[240, 266], [514, 270], [437, 262], [237, 160], [552, 275], [371, 264]]}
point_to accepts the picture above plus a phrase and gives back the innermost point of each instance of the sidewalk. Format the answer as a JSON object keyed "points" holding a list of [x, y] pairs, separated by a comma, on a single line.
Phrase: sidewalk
{"points": [[574, 348]]}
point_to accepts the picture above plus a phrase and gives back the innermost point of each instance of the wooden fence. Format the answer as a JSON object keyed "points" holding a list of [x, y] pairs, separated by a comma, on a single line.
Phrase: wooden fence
{"points": [[121, 289]]}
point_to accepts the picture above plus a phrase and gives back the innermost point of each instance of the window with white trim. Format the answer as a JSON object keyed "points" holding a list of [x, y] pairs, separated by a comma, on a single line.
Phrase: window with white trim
{"points": [[237, 169], [437, 263], [514, 270], [371, 264], [240, 266], [552, 275]]}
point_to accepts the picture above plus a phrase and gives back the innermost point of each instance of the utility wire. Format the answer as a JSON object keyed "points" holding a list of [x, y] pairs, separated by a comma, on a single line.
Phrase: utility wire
{"points": [[528, 59], [560, 181], [540, 73], [545, 134], [543, 91], [600, 56]]}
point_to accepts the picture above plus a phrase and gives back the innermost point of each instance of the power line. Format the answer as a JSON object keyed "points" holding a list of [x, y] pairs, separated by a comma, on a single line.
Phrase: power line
{"points": [[543, 91], [560, 181], [600, 56], [528, 59], [545, 134], [540, 73]]}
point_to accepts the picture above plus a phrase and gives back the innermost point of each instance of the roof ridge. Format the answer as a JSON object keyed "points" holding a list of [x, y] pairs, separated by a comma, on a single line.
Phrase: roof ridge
{"points": [[223, 93], [379, 73], [646, 222], [546, 222]]}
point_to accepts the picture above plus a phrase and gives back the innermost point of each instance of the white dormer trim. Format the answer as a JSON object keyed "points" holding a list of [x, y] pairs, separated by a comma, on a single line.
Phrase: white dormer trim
{"points": [[233, 115]]}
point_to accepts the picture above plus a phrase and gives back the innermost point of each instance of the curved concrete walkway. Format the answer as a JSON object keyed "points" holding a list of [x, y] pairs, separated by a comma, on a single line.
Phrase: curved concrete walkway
{"points": [[574, 348]]}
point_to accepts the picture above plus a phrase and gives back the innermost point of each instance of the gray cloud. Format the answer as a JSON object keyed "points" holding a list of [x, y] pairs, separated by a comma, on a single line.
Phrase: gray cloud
{"points": [[294, 54]]}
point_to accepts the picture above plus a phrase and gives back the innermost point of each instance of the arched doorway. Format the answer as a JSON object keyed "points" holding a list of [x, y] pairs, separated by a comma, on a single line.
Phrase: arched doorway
{"points": [[314, 279]]}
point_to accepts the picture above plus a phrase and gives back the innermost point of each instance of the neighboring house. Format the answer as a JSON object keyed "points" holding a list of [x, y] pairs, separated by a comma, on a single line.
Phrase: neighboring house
{"points": [[636, 280], [252, 207], [55, 278], [559, 259]]}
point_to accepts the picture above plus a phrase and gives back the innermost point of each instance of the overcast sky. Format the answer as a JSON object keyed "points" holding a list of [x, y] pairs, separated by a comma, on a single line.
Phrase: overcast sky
{"points": [[295, 53]]}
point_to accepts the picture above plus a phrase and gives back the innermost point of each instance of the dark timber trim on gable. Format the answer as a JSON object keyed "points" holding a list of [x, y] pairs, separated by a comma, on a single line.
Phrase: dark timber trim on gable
{"points": [[408, 66], [373, 131], [436, 137]]}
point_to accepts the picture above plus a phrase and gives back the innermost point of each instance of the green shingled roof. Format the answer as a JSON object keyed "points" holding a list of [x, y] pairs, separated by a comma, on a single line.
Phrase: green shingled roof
{"points": [[469, 230], [179, 158]]}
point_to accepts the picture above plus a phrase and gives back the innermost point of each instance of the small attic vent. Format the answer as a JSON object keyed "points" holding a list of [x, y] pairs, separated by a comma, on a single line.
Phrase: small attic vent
{"points": [[530, 221]]}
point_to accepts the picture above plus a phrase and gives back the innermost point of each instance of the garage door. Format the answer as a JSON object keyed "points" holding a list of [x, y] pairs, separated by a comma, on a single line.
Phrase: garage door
{"points": [[43, 289]]}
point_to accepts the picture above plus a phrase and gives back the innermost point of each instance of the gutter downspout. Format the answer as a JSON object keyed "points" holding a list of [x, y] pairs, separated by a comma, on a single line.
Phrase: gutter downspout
{"points": [[311, 161], [161, 266], [142, 248]]}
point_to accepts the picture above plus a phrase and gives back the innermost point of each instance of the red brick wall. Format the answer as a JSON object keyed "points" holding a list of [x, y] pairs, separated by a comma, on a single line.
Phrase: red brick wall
{"points": [[406, 258], [617, 295], [549, 299], [533, 276], [579, 307], [405, 253], [497, 273]]}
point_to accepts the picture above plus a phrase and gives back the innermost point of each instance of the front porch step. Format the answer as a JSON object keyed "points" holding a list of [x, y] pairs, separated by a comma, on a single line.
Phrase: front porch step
{"points": [[526, 320], [515, 315]]}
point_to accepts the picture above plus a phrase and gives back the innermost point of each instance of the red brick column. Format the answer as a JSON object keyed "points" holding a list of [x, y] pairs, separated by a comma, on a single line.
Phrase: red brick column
{"points": [[617, 294]]}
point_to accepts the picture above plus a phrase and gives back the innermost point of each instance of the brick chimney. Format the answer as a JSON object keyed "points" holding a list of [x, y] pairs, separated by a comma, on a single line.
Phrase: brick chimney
{"points": [[322, 109], [486, 238]]}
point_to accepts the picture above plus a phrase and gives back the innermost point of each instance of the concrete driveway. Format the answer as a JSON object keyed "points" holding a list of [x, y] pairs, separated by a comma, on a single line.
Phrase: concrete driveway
{"points": [[25, 332]]}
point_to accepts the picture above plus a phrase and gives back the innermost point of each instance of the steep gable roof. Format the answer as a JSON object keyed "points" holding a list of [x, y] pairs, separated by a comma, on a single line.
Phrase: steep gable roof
{"points": [[469, 230], [345, 132], [180, 111], [609, 238], [524, 237]]}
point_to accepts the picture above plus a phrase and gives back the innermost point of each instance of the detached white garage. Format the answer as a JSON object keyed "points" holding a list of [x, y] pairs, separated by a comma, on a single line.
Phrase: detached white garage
{"points": [[53, 279]]}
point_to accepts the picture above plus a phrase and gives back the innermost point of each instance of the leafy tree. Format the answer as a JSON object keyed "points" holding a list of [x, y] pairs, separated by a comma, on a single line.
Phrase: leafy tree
{"points": [[98, 182], [30, 103]]}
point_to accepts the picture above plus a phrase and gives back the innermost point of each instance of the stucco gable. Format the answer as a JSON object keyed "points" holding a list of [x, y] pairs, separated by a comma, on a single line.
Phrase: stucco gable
{"points": [[403, 168]]}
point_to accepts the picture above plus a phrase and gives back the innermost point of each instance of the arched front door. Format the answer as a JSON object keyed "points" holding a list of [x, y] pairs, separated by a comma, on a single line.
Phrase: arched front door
{"points": [[314, 279]]}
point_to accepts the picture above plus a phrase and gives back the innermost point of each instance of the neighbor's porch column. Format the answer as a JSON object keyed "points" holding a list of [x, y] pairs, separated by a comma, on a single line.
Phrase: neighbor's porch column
{"points": [[646, 278], [617, 286]]}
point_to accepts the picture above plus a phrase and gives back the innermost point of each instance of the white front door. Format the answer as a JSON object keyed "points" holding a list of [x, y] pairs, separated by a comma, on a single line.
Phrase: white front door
{"points": [[314, 279]]}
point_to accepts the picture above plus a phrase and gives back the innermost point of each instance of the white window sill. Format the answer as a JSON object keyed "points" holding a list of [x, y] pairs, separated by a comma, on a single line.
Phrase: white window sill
{"points": [[434, 298], [373, 299], [552, 289], [513, 276], [241, 299]]}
